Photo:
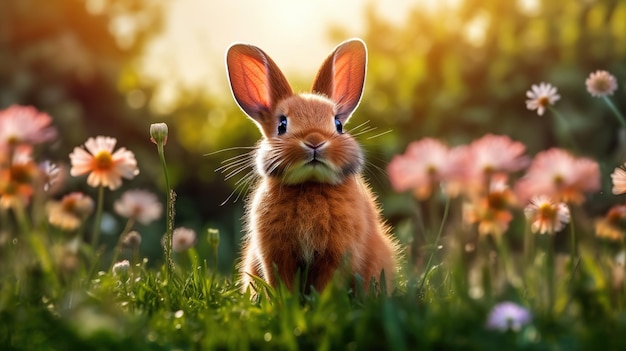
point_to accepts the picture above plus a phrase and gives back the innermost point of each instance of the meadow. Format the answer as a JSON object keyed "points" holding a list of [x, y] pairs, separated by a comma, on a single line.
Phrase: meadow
{"points": [[498, 161]]}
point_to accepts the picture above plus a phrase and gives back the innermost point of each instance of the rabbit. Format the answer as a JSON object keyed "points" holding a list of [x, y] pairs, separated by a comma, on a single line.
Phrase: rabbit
{"points": [[310, 210]]}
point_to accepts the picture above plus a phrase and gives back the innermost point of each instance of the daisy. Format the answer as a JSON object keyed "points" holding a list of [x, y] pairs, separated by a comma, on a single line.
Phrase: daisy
{"points": [[508, 316], [183, 239], [601, 84], [420, 168], [561, 176], [105, 167], [546, 216], [139, 204], [70, 212], [541, 96], [611, 226], [52, 175], [25, 125], [619, 180]]}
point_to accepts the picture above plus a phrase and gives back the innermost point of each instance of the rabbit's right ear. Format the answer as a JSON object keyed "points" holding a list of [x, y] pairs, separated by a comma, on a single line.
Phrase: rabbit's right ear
{"points": [[255, 81]]}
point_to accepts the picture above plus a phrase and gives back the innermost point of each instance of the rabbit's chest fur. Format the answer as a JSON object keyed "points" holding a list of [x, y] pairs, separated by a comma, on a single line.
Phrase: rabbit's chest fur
{"points": [[310, 220]]}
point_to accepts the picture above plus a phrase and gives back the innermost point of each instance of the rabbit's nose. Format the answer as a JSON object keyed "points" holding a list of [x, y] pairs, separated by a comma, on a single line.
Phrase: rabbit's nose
{"points": [[314, 146], [314, 141]]}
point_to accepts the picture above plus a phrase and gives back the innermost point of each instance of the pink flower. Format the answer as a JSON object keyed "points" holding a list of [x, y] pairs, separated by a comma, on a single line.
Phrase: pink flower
{"points": [[71, 211], [541, 96], [105, 167], [25, 125], [139, 204], [490, 155], [611, 226], [183, 239], [601, 83], [561, 176], [420, 168], [16, 180], [546, 216], [619, 180], [491, 212]]}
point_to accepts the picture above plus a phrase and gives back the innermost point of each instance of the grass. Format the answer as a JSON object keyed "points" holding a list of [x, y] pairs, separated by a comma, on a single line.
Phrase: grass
{"points": [[139, 309]]}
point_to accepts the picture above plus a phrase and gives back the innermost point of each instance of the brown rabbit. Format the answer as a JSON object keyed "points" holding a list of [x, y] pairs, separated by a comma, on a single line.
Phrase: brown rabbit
{"points": [[311, 210]]}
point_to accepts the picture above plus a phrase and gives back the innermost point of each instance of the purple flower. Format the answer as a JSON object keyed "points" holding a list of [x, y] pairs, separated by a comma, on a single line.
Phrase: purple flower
{"points": [[508, 315]]}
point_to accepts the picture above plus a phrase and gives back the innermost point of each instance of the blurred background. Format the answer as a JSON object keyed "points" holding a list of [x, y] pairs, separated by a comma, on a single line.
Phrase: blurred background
{"points": [[452, 69]]}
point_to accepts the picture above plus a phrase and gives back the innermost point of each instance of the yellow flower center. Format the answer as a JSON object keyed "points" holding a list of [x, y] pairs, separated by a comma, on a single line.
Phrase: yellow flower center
{"points": [[69, 204], [546, 212], [543, 101], [21, 173], [103, 160]]}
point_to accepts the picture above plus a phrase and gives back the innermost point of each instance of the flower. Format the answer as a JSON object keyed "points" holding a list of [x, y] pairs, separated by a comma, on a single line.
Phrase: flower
{"points": [[611, 226], [52, 175], [493, 154], [541, 96], [601, 83], [559, 175], [16, 181], [183, 239], [491, 212], [158, 133], [619, 180], [508, 316], [420, 168], [25, 125], [139, 204], [70, 212], [105, 168], [131, 240], [121, 268], [547, 216]]}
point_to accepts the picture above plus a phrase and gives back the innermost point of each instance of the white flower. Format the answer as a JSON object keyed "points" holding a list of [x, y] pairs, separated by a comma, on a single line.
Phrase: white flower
{"points": [[601, 83], [541, 96]]}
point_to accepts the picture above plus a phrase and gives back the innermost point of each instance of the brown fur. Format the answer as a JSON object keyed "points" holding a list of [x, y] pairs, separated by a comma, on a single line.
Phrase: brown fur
{"points": [[310, 211]]}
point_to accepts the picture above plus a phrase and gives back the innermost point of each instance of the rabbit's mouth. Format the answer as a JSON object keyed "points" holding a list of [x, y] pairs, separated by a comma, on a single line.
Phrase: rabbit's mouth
{"points": [[314, 170]]}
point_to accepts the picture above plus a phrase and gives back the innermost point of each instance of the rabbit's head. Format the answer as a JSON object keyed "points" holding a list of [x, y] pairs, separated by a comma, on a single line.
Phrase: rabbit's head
{"points": [[303, 134]]}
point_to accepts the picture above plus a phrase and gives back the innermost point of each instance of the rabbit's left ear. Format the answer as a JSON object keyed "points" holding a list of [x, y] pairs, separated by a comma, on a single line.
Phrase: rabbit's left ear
{"points": [[342, 77]]}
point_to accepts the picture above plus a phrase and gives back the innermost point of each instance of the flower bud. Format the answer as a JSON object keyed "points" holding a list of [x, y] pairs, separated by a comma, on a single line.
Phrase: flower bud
{"points": [[131, 240], [121, 268], [158, 133], [213, 236]]}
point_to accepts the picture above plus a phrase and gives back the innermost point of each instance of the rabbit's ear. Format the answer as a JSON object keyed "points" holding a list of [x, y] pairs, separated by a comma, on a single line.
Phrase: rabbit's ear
{"points": [[255, 81], [342, 77]]}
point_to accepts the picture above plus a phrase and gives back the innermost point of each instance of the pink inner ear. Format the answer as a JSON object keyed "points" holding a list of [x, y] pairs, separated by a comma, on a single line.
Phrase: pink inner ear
{"points": [[342, 76], [248, 76], [255, 80], [349, 72]]}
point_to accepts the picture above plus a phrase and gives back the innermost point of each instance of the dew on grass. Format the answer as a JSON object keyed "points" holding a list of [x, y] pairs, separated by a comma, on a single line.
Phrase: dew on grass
{"points": [[267, 337], [179, 314]]}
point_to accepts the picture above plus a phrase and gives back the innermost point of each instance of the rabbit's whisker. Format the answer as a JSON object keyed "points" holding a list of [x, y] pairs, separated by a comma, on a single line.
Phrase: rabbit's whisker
{"points": [[229, 149]]}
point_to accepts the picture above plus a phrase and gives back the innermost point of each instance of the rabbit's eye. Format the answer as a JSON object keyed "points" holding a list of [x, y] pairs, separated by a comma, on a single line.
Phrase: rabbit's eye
{"points": [[339, 126], [282, 125]]}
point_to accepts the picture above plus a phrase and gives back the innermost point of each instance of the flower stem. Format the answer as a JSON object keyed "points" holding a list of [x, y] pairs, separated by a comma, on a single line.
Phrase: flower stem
{"points": [[169, 218], [613, 108], [98, 220], [564, 129], [436, 244], [118, 246]]}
